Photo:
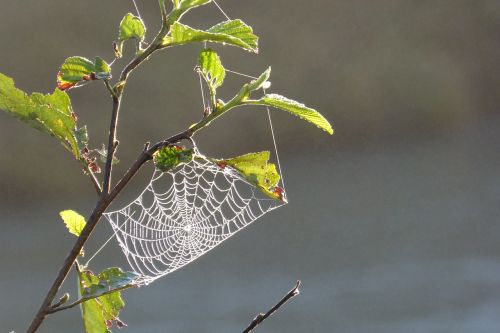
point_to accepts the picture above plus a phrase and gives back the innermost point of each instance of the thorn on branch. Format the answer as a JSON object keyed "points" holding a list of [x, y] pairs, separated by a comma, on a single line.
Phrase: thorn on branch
{"points": [[263, 316]]}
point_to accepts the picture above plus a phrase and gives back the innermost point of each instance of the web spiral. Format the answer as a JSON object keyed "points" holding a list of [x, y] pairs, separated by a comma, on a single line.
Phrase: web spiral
{"points": [[185, 213]]}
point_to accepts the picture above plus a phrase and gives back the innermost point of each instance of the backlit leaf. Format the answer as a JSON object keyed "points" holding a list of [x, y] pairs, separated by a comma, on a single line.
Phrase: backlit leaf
{"points": [[131, 27], [101, 313], [233, 32], [74, 221], [51, 114], [79, 69], [212, 70], [170, 157], [295, 108], [257, 170]]}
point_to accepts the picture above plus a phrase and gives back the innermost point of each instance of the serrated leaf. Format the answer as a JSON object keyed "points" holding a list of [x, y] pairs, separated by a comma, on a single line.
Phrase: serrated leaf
{"points": [[295, 108], [111, 279], [170, 157], [100, 313], [211, 69], [78, 69], [51, 114], [74, 221], [131, 27], [238, 29], [257, 170], [233, 32]]}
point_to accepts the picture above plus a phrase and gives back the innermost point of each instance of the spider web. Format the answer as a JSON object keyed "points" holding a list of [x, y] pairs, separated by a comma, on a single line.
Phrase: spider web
{"points": [[183, 214]]}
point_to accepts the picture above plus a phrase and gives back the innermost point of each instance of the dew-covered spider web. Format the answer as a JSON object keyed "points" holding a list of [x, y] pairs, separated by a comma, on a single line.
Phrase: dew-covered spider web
{"points": [[185, 213]]}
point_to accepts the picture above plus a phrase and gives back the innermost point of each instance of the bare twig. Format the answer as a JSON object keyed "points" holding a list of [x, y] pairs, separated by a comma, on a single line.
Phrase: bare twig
{"points": [[263, 316]]}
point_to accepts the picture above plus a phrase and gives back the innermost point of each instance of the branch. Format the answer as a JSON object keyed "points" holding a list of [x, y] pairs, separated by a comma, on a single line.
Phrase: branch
{"points": [[57, 308], [263, 316], [112, 144], [103, 203]]}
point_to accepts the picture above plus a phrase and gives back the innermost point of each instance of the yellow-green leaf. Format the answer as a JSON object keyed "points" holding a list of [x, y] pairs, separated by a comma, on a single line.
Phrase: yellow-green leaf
{"points": [[131, 26], [74, 221], [79, 69], [295, 108], [233, 32], [170, 157], [211, 68], [101, 313], [257, 170], [51, 114]]}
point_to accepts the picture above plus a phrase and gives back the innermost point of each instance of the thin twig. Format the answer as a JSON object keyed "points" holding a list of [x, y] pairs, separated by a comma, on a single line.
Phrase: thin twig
{"points": [[112, 144], [93, 179], [55, 309], [263, 316]]}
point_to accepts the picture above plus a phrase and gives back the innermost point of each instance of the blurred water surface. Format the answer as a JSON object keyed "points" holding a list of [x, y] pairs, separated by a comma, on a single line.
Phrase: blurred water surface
{"points": [[393, 222]]}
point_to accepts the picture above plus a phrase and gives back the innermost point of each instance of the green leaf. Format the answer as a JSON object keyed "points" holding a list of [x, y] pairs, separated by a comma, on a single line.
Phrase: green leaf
{"points": [[74, 221], [51, 114], [188, 4], [102, 68], [170, 157], [257, 170], [237, 29], [131, 27], [233, 32], [111, 279], [254, 85], [78, 69], [100, 313], [212, 71], [181, 7], [295, 108]]}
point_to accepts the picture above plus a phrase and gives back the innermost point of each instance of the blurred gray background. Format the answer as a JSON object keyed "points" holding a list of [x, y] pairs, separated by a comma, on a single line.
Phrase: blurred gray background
{"points": [[393, 222]]}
